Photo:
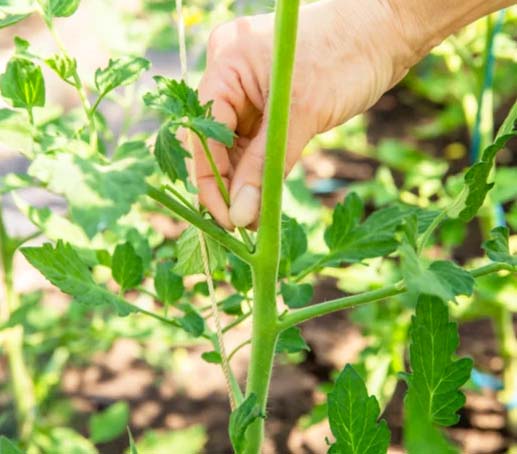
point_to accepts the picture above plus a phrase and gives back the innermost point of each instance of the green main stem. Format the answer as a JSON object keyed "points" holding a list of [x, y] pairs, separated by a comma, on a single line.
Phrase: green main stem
{"points": [[265, 266]]}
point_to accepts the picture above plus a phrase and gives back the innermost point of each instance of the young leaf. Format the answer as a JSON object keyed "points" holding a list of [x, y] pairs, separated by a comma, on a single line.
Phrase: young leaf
{"points": [[296, 295], [192, 322], [498, 248], [181, 104], [119, 72], [171, 155], [98, 194], [59, 8], [291, 341], [433, 386], [232, 305], [189, 253], [127, 266], [471, 198], [168, 285], [110, 423], [8, 447], [442, 278], [353, 417], [240, 274], [63, 267], [212, 357], [23, 84], [240, 419], [214, 130], [64, 66], [176, 99]]}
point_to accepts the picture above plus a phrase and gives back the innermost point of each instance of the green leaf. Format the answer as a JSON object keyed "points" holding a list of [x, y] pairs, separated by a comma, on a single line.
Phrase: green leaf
{"points": [[498, 248], [185, 441], [119, 72], [168, 285], [8, 447], [296, 295], [14, 11], [23, 84], [442, 278], [214, 130], [232, 305], [16, 131], [63, 440], [98, 194], [291, 341], [59, 8], [64, 66], [346, 217], [240, 419], [477, 183], [18, 317], [63, 267], [436, 377], [127, 266], [110, 423], [350, 240], [192, 322], [212, 357], [240, 274], [353, 417], [294, 244], [421, 436], [176, 99], [170, 155], [54, 226], [14, 181], [189, 253]]}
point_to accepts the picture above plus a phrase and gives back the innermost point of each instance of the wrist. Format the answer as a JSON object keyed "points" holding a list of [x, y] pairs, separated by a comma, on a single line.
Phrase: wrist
{"points": [[425, 24]]}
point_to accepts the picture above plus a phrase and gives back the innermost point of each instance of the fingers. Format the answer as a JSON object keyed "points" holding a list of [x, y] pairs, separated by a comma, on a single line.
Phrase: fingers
{"points": [[246, 185]]}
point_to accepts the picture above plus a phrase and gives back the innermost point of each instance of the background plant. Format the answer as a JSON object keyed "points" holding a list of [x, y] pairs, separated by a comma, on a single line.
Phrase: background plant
{"points": [[105, 183]]}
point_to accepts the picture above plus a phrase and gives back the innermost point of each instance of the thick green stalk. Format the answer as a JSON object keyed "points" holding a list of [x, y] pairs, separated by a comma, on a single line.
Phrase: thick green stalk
{"points": [[263, 342], [20, 379], [265, 267]]}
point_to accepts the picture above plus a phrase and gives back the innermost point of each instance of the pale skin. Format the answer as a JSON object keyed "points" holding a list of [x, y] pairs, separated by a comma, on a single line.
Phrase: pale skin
{"points": [[349, 54]]}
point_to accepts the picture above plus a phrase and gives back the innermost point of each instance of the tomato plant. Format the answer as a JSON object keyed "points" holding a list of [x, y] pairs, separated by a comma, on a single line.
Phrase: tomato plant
{"points": [[110, 188]]}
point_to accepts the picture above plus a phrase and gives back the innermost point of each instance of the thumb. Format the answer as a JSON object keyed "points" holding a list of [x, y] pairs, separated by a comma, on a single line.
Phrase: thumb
{"points": [[245, 192]]}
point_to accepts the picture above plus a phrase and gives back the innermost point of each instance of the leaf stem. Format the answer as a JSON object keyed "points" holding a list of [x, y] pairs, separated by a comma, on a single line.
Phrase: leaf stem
{"points": [[207, 226], [318, 310], [220, 184], [78, 85], [424, 239], [236, 349]]}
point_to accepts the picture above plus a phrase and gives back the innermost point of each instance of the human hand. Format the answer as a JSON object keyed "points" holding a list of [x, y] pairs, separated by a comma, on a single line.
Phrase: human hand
{"points": [[348, 54]]}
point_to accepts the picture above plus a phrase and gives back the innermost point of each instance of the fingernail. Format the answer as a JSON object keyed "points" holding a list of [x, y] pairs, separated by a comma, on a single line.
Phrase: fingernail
{"points": [[245, 206]]}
